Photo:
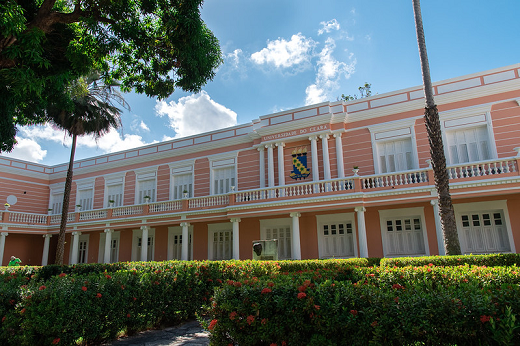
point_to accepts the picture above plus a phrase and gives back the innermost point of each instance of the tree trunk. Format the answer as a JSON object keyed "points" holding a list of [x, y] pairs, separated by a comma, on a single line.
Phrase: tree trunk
{"points": [[65, 207], [433, 128]]}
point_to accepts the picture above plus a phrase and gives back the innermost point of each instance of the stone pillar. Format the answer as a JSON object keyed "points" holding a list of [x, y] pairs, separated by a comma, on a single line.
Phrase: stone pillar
{"points": [[296, 249], [108, 245], [362, 232], [45, 255], [185, 240], [75, 247], [2, 246], [270, 165], [326, 160], [281, 172], [144, 243], [262, 166], [438, 227], [236, 239], [314, 154], [339, 155]]}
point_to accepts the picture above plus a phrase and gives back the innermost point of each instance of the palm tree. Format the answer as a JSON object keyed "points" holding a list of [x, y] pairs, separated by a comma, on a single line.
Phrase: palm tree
{"points": [[433, 128], [92, 111]]}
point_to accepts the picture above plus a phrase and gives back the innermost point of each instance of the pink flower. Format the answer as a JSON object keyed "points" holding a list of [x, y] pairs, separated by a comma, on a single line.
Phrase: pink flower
{"points": [[302, 295]]}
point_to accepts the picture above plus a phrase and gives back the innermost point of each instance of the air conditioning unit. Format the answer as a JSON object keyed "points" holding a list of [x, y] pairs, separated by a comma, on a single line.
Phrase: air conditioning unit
{"points": [[265, 250]]}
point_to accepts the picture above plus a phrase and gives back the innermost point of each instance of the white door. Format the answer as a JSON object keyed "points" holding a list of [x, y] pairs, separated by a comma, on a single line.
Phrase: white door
{"points": [[337, 240], [222, 245], [484, 232], [404, 237], [283, 234], [175, 244]]}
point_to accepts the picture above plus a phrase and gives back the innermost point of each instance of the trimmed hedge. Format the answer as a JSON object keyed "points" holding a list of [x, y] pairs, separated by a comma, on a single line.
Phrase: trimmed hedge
{"points": [[478, 260], [295, 302]]}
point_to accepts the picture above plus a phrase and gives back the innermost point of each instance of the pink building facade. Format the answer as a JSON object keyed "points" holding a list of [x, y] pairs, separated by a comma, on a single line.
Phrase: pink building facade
{"points": [[336, 179]]}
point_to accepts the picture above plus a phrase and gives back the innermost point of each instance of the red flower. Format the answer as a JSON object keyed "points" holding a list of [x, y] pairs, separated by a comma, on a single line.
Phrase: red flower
{"points": [[484, 318], [98, 295], [353, 312], [273, 344], [42, 288], [397, 286], [430, 264], [3, 319], [270, 284], [266, 290], [122, 287], [317, 307], [212, 324], [128, 315], [250, 319], [83, 288], [23, 311], [264, 320], [301, 295], [56, 341], [374, 324], [62, 275], [108, 276], [302, 288], [233, 315]]}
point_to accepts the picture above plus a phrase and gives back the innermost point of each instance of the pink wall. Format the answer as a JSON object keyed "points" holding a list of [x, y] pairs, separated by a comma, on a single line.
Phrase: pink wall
{"points": [[163, 183], [129, 194]]}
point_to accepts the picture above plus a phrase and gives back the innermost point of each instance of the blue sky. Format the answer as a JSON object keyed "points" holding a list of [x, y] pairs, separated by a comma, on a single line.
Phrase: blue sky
{"points": [[280, 55]]}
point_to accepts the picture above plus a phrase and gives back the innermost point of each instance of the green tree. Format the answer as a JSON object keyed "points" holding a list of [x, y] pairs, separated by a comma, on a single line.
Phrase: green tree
{"points": [[150, 46], [364, 91], [91, 111], [433, 128]]}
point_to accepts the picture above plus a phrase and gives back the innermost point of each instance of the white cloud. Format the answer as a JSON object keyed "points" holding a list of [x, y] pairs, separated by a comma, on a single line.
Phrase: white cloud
{"points": [[196, 114], [282, 53], [27, 149], [234, 57], [144, 127], [329, 72], [328, 26]]}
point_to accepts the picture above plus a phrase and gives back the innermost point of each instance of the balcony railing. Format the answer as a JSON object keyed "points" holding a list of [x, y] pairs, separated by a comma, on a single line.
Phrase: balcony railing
{"points": [[354, 184]]}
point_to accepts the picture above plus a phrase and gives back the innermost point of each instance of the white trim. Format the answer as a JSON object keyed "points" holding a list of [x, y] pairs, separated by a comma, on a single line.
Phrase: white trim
{"points": [[116, 235], [403, 212], [177, 230]]}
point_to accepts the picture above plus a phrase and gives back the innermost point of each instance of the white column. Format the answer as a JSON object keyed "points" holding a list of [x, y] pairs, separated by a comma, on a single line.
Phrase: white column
{"points": [[281, 172], [262, 166], [45, 255], [314, 154], [296, 249], [108, 245], [185, 241], [326, 160], [236, 240], [75, 247], [339, 155], [438, 227], [270, 165], [144, 243], [362, 232], [2, 245]]}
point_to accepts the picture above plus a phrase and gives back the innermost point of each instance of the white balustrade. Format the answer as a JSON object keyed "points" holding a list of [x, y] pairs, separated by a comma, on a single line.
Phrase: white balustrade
{"points": [[394, 179], [479, 169], [93, 214], [209, 201], [130, 210], [29, 218], [165, 206]]}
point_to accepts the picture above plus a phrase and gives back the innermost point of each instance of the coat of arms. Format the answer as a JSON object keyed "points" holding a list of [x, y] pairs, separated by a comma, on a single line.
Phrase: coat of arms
{"points": [[299, 159]]}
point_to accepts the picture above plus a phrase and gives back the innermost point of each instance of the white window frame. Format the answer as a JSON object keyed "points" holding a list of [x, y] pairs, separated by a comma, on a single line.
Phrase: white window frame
{"points": [[222, 161], [417, 212], [392, 131], [113, 180], [176, 231], [467, 118], [56, 190], [116, 235], [142, 176], [85, 185], [219, 227], [180, 169], [345, 218], [136, 253], [278, 223], [479, 207]]}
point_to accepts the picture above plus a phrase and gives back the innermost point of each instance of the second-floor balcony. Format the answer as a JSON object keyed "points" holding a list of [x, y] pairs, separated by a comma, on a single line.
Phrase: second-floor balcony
{"points": [[360, 186]]}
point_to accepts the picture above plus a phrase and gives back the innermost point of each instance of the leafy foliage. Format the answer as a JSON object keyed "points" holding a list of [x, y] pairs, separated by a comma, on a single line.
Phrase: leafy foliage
{"points": [[152, 47]]}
